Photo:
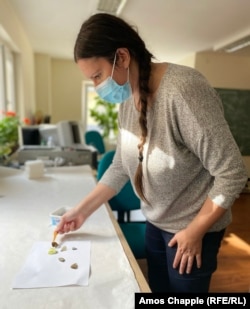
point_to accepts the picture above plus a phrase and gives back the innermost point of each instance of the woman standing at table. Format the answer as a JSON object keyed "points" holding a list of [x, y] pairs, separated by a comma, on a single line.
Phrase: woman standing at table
{"points": [[174, 145]]}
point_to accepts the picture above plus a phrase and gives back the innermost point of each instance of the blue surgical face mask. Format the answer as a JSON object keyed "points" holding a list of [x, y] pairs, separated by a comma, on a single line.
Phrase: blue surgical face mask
{"points": [[112, 92]]}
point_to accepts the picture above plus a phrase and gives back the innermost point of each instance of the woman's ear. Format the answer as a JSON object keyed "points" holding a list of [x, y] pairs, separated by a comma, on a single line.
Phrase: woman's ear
{"points": [[123, 56]]}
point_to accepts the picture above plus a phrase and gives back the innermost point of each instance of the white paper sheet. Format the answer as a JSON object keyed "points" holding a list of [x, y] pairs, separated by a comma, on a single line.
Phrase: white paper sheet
{"points": [[44, 270]]}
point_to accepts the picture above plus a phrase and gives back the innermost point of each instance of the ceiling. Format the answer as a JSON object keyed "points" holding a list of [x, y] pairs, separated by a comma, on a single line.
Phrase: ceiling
{"points": [[172, 29]]}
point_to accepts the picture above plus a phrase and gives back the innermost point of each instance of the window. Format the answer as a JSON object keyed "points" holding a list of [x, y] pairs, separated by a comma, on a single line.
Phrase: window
{"points": [[88, 102], [2, 81], [7, 79], [105, 118]]}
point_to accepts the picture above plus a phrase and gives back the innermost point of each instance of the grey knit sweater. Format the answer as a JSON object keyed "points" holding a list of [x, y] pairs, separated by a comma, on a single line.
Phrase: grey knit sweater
{"points": [[190, 153]]}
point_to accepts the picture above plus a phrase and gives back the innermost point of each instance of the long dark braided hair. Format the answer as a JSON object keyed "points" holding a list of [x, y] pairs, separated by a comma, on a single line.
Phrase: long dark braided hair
{"points": [[100, 36]]}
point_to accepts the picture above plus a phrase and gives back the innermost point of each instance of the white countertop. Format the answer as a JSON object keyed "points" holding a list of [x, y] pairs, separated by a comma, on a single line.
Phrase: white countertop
{"points": [[25, 206]]}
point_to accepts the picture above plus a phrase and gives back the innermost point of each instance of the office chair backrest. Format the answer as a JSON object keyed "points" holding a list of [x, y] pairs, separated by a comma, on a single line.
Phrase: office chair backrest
{"points": [[126, 200], [95, 139]]}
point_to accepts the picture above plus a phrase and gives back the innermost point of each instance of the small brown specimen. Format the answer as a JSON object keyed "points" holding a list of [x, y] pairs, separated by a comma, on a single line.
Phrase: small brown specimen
{"points": [[74, 266], [54, 244], [61, 259]]}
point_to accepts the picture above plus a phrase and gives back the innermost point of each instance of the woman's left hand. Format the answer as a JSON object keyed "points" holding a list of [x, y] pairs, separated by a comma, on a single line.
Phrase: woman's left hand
{"points": [[188, 250]]}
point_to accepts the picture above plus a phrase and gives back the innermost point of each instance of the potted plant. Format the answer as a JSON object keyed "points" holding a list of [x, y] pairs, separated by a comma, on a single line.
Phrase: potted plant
{"points": [[9, 123], [8, 135], [105, 115]]}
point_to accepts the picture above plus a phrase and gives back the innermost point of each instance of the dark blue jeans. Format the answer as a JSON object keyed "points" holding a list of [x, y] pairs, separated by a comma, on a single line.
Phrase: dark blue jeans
{"points": [[161, 274]]}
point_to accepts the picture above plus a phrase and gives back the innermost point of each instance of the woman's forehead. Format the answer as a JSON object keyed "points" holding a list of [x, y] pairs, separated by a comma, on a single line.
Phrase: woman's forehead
{"points": [[91, 66]]}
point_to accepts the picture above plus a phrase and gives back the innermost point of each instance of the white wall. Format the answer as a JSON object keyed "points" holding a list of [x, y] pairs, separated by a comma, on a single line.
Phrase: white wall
{"points": [[16, 39]]}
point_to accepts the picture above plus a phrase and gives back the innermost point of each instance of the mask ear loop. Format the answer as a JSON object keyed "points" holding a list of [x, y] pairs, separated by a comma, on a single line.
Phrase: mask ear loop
{"points": [[128, 75], [113, 66]]}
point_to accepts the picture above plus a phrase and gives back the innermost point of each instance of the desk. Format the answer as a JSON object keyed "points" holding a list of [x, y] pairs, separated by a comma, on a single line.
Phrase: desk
{"points": [[25, 206]]}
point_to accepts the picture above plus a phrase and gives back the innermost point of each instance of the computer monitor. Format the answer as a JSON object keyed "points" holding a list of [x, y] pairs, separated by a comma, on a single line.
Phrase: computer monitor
{"points": [[29, 136], [70, 133], [63, 134], [49, 134]]}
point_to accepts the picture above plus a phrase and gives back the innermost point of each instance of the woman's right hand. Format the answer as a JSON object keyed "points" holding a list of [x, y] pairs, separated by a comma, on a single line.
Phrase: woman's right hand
{"points": [[75, 217], [71, 221]]}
